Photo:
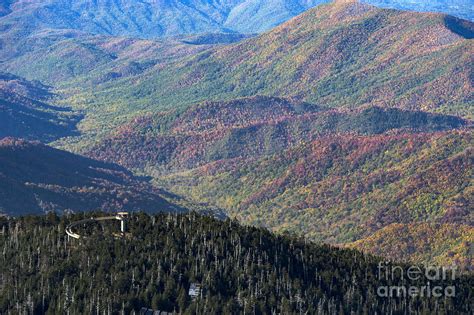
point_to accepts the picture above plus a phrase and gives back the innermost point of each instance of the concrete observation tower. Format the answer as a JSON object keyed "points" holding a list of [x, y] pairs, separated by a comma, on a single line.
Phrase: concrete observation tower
{"points": [[120, 216]]}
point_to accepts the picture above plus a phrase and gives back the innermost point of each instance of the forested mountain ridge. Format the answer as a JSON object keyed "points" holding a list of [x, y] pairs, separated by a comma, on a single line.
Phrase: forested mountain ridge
{"points": [[341, 55], [239, 270], [247, 128], [449, 244], [35, 178]]}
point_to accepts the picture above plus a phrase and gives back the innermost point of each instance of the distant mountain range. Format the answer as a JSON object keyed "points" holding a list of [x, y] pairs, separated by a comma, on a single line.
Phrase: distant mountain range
{"points": [[343, 55], [151, 19], [461, 8]]}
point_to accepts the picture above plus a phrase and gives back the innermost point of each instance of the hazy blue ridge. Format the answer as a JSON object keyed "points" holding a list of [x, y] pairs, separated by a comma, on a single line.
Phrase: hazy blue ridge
{"points": [[151, 19]]}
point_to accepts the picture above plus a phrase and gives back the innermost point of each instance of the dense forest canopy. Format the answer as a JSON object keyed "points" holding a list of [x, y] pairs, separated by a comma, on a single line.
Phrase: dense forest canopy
{"points": [[240, 270]]}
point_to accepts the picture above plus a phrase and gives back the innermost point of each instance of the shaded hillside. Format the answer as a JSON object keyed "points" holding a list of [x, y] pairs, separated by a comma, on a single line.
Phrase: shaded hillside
{"points": [[343, 188], [25, 112], [249, 128], [212, 38], [35, 178], [239, 270], [460, 27], [448, 244], [341, 55]]}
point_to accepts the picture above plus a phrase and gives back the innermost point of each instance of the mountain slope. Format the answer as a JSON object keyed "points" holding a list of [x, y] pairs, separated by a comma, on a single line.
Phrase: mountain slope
{"points": [[57, 56], [449, 244], [239, 270], [35, 178], [342, 55], [25, 112], [343, 188]]}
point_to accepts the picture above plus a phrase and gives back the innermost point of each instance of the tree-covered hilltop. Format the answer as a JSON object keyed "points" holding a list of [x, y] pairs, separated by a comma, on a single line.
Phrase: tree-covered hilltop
{"points": [[240, 270]]}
